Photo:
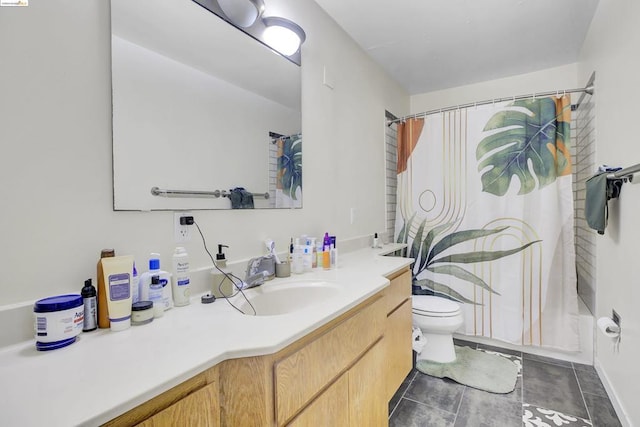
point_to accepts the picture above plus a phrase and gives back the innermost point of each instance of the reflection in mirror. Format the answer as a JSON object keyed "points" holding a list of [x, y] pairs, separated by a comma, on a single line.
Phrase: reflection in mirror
{"points": [[200, 106]]}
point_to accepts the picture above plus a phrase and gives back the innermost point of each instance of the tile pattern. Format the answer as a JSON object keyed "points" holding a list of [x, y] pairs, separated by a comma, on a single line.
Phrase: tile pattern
{"points": [[549, 393]]}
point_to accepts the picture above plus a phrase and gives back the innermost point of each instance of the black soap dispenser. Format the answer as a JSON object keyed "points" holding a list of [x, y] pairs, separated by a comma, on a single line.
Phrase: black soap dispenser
{"points": [[88, 294]]}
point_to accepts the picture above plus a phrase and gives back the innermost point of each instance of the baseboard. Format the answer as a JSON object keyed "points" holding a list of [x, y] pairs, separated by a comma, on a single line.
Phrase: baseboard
{"points": [[613, 396]]}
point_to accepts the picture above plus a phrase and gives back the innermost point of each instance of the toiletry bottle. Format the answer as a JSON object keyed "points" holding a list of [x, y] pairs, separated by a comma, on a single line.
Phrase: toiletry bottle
{"points": [[333, 254], [326, 249], [319, 253], [222, 286], [90, 306], [375, 240], [135, 285], [181, 287], [117, 272], [297, 267], [164, 280], [314, 253], [103, 309], [307, 258], [291, 252], [155, 296]]}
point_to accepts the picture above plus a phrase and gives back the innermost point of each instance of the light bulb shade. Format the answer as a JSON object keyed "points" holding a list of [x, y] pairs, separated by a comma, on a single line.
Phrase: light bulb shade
{"points": [[242, 13], [283, 35]]}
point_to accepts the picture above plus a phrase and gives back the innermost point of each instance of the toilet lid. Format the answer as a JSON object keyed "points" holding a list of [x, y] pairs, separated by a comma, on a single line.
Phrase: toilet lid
{"points": [[429, 305]]}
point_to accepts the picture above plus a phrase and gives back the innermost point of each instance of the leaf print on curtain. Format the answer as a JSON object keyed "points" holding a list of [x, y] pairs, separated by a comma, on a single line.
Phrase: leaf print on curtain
{"points": [[494, 231], [289, 172], [528, 140]]}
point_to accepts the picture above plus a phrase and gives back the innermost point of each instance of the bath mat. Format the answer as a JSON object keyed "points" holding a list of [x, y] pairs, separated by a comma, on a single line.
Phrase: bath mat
{"points": [[477, 369]]}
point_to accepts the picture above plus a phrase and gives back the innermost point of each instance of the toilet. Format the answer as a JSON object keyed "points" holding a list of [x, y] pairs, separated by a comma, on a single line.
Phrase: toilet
{"points": [[438, 318]]}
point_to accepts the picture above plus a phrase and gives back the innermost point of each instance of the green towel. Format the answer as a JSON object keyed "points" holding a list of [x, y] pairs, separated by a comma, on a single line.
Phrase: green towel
{"points": [[595, 204]]}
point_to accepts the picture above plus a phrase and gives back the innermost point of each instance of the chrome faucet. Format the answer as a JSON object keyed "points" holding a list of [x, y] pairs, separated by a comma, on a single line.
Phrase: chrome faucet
{"points": [[259, 270]]}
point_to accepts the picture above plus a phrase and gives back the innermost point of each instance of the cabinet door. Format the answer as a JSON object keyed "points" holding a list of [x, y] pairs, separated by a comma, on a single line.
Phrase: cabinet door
{"points": [[331, 408], [199, 409], [397, 339], [368, 405]]}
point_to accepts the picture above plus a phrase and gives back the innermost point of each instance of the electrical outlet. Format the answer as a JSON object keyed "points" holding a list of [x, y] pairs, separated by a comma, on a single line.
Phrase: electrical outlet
{"points": [[182, 233], [616, 318]]}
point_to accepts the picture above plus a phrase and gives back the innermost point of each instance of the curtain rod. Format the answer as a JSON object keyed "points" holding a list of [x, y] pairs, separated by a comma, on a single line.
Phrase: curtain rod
{"points": [[588, 90]]}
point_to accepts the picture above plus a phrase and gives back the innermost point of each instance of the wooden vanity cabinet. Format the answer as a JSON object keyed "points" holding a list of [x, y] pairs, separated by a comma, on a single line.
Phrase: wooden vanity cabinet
{"points": [[398, 348], [194, 403], [341, 374]]}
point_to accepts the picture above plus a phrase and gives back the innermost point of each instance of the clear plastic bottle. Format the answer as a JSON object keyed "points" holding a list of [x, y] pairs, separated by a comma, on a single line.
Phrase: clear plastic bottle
{"points": [[181, 283], [155, 296], [164, 280]]}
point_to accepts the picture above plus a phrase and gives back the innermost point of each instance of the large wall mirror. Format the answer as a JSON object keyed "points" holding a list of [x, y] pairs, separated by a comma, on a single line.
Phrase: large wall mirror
{"points": [[200, 106]]}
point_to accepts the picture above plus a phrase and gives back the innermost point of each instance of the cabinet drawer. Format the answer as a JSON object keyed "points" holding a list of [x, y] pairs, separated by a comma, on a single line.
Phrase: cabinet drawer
{"points": [[199, 409], [399, 356], [302, 374], [398, 291]]}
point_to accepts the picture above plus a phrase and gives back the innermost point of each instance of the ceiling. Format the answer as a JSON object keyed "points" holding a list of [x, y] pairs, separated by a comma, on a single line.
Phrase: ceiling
{"points": [[427, 45]]}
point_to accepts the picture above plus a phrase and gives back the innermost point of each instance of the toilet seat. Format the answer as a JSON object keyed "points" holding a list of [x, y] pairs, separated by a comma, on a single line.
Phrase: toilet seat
{"points": [[433, 306]]}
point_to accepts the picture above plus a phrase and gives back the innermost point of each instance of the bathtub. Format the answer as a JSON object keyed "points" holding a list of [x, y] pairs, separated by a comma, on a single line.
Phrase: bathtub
{"points": [[584, 355]]}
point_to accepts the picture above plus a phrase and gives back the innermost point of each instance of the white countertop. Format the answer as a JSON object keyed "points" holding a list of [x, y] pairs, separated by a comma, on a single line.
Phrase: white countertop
{"points": [[105, 374]]}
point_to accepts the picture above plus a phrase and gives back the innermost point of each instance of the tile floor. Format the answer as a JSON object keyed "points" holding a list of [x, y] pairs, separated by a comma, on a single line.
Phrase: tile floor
{"points": [[549, 392]]}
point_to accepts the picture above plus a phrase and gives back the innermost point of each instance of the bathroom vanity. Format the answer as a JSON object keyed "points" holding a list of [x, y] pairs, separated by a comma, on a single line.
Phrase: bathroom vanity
{"points": [[342, 373], [336, 362]]}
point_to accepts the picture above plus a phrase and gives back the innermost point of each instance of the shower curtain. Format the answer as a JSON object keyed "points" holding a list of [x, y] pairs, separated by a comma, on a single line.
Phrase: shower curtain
{"points": [[485, 205], [289, 172]]}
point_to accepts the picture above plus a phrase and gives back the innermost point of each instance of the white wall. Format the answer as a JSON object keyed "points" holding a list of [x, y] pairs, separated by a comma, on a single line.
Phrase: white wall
{"points": [[551, 79], [611, 49], [56, 169]]}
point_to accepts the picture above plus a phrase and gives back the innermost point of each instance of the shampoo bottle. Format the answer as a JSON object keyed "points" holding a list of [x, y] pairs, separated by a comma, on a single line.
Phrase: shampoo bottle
{"points": [[181, 288], [222, 286], [103, 309], [90, 306]]}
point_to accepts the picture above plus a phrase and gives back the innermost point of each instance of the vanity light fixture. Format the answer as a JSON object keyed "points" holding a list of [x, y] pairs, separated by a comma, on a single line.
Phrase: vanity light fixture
{"points": [[242, 13], [283, 35]]}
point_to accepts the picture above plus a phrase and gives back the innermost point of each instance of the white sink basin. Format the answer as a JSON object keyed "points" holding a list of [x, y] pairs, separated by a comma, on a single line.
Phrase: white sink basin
{"points": [[277, 298]]}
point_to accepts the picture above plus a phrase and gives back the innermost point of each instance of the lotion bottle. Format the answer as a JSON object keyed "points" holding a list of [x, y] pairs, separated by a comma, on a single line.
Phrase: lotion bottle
{"points": [[181, 283], [117, 272], [103, 309]]}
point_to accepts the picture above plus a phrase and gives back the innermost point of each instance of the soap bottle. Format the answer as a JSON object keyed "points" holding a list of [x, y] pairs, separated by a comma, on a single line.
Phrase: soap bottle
{"points": [[181, 283], [222, 286], [135, 285], [90, 306], [164, 280], [103, 310]]}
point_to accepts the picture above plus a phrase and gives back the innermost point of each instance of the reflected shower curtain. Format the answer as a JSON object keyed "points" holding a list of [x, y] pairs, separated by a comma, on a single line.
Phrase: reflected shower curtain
{"points": [[485, 205], [289, 172]]}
